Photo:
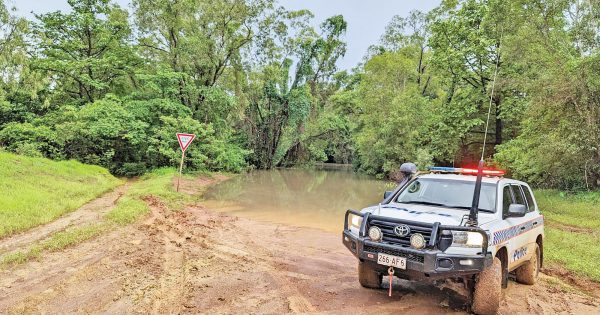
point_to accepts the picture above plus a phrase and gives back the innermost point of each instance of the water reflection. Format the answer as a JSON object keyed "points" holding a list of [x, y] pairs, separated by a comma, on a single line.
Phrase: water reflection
{"points": [[312, 198]]}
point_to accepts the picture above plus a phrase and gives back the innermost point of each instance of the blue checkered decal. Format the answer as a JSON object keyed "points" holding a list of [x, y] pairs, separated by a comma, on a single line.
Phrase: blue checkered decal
{"points": [[506, 234]]}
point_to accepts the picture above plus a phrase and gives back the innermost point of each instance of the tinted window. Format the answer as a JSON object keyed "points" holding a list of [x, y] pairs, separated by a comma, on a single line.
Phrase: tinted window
{"points": [[529, 198], [506, 199], [448, 193], [518, 195]]}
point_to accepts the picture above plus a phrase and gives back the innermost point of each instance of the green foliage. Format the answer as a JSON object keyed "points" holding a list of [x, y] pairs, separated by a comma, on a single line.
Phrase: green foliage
{"points": [[278, 111], [396, 118], [128, 137], [560, 139], [87, 49], [42, 190], [260, 86]]}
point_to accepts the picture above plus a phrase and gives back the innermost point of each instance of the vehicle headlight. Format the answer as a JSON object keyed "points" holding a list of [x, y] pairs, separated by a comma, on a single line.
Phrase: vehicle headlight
{"points": [[355, 221], [466, 239], [375, 234]]}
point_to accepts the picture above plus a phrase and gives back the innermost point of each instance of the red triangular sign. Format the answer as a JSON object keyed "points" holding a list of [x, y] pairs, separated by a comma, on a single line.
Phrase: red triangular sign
{"points": [[185, 139]]}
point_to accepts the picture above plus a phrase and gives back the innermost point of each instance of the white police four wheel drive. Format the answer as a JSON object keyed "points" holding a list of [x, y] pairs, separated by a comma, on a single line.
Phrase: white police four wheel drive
{"points": [[421, 231]]}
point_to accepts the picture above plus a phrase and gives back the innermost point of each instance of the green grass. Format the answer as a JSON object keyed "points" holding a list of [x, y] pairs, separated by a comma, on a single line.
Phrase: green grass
{"points": [[572, 231], [579, 210], [59, 187], [158, 183], [56, 242], [37, 190], [127, 211]]}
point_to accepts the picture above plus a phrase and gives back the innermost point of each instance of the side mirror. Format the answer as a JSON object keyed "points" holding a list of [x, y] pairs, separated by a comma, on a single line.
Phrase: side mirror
{"points": [[517, 210], [387, 194]]}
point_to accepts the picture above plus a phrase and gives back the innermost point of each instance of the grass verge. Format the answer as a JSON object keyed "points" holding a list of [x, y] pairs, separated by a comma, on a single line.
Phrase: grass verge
{"points": [[158, 183], [37, 190], [56, 242], [572, 231], [129, 208]]}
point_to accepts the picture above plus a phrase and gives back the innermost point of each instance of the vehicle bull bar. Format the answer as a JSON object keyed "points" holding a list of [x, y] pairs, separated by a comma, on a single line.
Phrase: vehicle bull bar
{"points": [[436, 228]]}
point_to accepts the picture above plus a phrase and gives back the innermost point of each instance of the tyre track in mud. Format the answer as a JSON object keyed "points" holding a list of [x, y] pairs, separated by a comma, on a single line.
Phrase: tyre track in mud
{"points": [[90, 212], [196, 261]]}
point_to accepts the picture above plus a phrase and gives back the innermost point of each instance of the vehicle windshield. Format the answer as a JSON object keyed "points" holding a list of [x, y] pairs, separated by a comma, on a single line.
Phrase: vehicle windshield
{"points": [[448, 193]]}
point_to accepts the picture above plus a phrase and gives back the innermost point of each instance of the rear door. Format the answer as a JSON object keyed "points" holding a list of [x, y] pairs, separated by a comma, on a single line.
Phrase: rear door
{"points": [[535, 224]]}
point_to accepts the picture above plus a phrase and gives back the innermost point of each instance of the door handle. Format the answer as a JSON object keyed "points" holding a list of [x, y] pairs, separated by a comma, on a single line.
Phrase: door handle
{"points": [[534, 223], [522, 228]]}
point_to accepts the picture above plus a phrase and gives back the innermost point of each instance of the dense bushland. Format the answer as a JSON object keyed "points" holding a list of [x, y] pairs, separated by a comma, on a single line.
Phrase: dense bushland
{"points": [[260, 87]]}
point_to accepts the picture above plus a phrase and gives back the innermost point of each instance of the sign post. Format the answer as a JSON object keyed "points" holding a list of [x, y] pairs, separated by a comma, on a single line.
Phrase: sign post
{"points": [[184, 141]]}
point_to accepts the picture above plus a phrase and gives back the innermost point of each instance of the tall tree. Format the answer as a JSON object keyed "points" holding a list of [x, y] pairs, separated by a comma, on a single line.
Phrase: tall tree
{"points": [[280, 109], [557, 53], [198, 42], [20, 85], [87, 51], [466, 41]]}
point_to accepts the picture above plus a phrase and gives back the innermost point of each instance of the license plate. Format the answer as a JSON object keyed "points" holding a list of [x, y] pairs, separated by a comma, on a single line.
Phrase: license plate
{"points": [[389, 260]]}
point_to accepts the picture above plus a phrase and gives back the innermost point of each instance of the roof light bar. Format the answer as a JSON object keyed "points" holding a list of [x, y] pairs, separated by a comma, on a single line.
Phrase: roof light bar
{"points": [[467, 171]]}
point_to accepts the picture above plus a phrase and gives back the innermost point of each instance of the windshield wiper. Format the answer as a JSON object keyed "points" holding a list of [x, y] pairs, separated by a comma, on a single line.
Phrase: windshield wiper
{"points": [[427, 203], [469, 208]]}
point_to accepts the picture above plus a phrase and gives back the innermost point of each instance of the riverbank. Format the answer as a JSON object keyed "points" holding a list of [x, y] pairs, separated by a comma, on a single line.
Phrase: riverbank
{"points": [[194, 260]]}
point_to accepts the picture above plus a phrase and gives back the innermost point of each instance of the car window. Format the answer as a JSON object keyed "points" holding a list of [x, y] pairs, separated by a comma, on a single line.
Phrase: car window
{"points": [[518, 194], [506, 199], [529, 198]]}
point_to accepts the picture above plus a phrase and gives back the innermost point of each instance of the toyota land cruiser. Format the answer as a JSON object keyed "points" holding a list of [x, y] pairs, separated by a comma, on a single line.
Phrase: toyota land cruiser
{"points": [[421, 231]]}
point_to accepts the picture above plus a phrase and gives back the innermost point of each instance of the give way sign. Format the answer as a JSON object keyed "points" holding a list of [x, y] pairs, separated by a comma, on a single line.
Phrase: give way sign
{"points": [[185, 139]]}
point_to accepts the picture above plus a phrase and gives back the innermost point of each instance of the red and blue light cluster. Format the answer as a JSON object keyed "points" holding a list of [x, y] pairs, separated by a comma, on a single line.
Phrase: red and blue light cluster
{"points": [[466, 171]]}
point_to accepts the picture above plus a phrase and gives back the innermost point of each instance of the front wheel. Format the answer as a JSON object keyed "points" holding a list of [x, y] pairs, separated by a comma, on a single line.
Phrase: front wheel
{"points": [[487, 293], [368, 277], [528, 273]]}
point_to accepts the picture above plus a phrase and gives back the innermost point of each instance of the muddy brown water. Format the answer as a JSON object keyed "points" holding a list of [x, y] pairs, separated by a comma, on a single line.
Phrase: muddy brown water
{"points": [[308, 198]]}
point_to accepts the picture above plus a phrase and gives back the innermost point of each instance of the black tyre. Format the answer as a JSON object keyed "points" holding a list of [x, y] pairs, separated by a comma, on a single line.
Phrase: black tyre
{"points": [[487, 293], [528, 273], [368, 277]]}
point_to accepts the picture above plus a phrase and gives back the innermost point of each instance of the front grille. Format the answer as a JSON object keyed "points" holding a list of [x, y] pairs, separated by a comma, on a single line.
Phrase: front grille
{"points": [[408, 256], [387, 228]]}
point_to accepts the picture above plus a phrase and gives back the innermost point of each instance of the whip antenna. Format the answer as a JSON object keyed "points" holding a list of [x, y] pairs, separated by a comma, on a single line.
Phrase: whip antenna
{"points": [[476, 194]]}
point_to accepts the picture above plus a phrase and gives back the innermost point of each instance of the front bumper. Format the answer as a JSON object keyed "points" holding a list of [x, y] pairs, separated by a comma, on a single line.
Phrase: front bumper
{"points": [[425, 264]]}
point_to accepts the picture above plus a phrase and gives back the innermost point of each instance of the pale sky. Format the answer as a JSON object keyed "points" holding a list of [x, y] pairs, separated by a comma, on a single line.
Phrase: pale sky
{"points": [[366, 18]]}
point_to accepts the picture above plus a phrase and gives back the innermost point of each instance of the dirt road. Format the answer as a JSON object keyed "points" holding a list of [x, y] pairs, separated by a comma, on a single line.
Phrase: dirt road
{"points": [[198, 261]]}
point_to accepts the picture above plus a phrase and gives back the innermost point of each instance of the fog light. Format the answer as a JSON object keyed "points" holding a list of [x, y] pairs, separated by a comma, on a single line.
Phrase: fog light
{"points": [[417, 241], [445, 263], [375, 234], [466, 262]]}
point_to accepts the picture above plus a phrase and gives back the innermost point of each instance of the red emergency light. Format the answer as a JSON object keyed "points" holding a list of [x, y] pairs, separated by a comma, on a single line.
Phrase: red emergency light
{"points": [[473, 171]]}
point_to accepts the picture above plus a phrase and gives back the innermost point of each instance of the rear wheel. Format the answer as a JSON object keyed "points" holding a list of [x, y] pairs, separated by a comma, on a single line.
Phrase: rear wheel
{"points": [[368, 277], [487, 293], [528, 273]]}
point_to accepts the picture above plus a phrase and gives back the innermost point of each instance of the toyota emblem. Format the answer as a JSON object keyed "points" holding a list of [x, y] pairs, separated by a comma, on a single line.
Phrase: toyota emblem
{"points": [[402, 230]]}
